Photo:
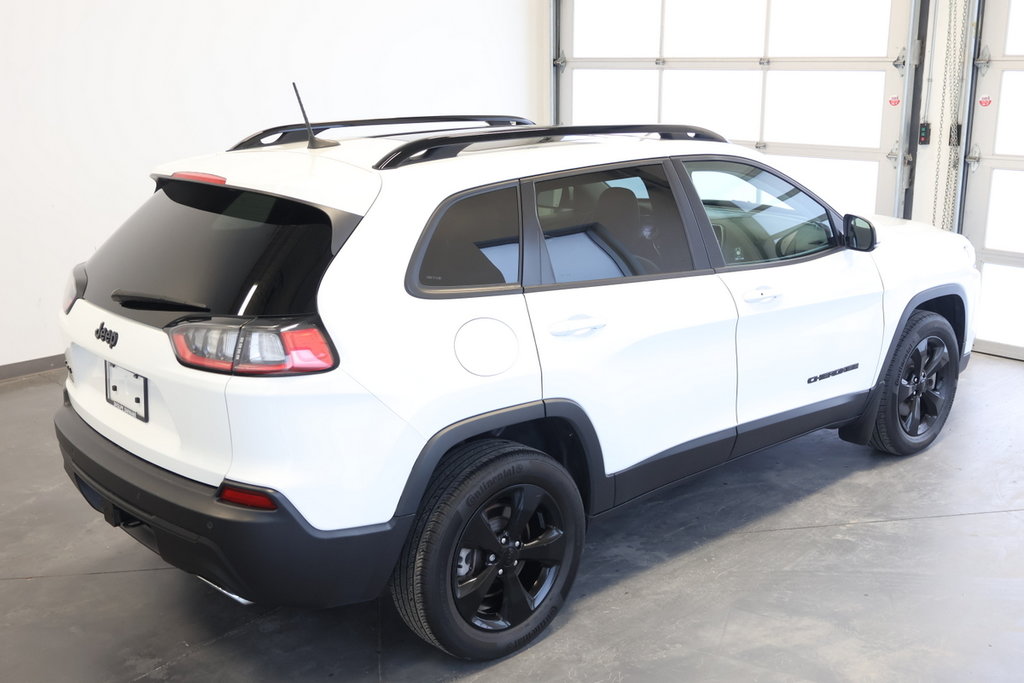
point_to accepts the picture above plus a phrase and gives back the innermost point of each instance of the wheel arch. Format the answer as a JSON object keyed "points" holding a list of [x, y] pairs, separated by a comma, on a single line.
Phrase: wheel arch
{"points": [[558, 427], [949, 301]]}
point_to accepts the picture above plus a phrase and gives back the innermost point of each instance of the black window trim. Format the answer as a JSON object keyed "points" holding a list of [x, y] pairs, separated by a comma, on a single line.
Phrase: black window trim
{"points": [[707, 234], [412, 281], [538, 274]]}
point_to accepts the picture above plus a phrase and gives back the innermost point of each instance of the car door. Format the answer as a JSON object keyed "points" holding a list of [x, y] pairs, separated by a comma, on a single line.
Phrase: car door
{"points": [[810, 310], [629, 322]]}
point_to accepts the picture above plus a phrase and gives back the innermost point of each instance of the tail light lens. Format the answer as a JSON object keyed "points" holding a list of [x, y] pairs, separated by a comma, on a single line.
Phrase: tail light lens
{"points": [[257, 347]]}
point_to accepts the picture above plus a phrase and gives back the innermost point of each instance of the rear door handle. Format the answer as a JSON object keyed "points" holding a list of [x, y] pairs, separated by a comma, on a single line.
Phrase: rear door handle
{"points": [[576, 326], [761, 294]]}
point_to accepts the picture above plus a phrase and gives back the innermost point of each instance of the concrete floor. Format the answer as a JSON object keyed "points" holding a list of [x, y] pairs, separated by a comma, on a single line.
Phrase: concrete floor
{"points": [[811, 561]]}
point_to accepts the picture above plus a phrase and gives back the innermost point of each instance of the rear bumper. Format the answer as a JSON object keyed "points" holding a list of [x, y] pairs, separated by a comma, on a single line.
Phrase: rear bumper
{"points": [[264, 556]]}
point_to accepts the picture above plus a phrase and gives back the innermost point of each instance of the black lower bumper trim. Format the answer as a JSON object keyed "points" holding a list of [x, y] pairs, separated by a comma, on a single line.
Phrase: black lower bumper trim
{"points": [[264, 556]]}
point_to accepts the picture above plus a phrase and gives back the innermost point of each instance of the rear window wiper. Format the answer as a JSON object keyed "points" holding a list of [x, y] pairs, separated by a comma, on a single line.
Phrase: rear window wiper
{"points": [[155, 302]]}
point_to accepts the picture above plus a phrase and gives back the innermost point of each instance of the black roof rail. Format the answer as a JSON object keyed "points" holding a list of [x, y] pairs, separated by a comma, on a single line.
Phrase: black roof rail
{"points": [[298, 132], [446, 146]]}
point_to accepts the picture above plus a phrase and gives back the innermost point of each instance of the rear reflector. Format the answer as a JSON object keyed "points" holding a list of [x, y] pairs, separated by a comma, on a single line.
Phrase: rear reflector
{"points": [[249, 499], [200, 177]]}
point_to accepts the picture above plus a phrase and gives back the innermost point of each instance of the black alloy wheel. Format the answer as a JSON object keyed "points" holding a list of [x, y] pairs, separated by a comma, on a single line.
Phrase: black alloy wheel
{"points": [[493, 552], [924, 386], [508, 558], [918, 386]]}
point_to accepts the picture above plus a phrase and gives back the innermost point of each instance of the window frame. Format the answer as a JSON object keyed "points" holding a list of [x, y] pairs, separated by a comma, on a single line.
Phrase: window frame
{"points": [[412, 274], [707, 233], [538, 274]]}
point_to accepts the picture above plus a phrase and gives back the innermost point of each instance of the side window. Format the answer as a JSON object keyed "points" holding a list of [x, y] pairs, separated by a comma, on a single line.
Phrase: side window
{"points": [[612, 224], [758, 216], [475, 242]]}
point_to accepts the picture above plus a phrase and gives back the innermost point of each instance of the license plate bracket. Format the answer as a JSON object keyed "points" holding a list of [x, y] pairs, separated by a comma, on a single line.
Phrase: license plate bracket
{"points": [[127, 391]]}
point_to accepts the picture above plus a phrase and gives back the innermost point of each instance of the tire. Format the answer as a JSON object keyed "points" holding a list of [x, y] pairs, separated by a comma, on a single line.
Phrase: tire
{"points": [[919, 386], [493, 553]]}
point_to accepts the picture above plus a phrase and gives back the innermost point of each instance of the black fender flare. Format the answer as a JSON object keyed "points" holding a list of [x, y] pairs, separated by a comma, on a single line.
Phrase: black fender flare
{"points": [[600, 487]]}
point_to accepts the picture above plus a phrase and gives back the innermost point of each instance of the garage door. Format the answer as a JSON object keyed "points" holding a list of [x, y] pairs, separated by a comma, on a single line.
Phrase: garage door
{"points": [[818, 83], [995, 180]]}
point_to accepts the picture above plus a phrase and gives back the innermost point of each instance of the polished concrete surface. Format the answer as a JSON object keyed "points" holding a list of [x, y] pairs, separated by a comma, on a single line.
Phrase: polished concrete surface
{"points": [[815, 560]]}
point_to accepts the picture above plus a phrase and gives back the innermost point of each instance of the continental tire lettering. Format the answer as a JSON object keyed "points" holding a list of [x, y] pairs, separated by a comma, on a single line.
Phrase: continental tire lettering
{"points": [[832, 373], [482, 491]]}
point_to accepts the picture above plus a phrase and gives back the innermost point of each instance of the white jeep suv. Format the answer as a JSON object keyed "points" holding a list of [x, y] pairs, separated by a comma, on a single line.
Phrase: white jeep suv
{"points": [[308, 370]]}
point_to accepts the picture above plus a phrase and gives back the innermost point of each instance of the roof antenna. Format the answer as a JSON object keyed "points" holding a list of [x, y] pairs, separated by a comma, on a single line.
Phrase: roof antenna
{"points": [[314, 141]]}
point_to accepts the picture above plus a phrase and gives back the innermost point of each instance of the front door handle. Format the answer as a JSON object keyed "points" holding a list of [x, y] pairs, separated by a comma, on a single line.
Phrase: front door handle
{"points": [[761, 294], [576, 326]]}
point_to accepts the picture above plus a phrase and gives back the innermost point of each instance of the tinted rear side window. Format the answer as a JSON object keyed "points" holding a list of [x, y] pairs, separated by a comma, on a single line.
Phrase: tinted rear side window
{"points": [[612, 224], [475, 242], [231, 251]]}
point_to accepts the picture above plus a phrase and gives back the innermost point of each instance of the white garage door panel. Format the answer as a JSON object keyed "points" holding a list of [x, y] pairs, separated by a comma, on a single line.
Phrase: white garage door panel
{"points": [[635, 96], [615, 29], [718, 100], [998, 324], [812, 28], [995, 180], [799, 78], [1004, 229], [694, 29], [800, 109], [1010, 112]]}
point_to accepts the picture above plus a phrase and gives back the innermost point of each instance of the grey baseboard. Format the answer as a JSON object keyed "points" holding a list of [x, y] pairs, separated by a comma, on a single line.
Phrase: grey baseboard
{"points": [[29, 367]]}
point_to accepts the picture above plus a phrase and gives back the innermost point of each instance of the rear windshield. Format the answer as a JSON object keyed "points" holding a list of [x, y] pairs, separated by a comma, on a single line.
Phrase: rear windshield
{"points": [[230, 252]]}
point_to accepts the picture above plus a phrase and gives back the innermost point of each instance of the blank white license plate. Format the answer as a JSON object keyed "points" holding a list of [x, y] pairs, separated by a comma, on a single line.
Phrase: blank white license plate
{"points": [[128, 391]]}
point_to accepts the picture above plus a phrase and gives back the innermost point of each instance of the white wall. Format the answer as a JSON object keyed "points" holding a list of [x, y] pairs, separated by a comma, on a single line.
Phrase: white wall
{"points": [[94, 94]]}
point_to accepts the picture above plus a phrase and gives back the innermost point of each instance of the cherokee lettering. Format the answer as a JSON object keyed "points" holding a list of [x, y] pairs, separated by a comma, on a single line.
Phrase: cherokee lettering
{"points": [[832, 373]]}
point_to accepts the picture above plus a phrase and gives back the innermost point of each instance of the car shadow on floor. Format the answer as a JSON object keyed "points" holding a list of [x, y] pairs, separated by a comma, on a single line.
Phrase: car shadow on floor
{"points": [[775, 488]]}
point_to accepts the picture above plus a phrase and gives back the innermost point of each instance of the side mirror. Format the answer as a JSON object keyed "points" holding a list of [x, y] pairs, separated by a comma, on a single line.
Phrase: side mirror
{"points": [[860, 234]]}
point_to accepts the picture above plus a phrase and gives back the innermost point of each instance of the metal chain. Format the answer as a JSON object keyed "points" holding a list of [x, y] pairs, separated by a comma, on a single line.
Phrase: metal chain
{"points": [[949, 117]]}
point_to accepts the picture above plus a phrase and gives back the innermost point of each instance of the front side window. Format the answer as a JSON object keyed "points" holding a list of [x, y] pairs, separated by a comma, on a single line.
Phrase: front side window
{"points": [[756, 215], [475, 242], [612, 224]]}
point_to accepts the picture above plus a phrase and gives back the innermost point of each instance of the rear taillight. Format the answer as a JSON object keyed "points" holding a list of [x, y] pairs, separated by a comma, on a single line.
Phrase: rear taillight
{"points": [[258, 347], [74, 288]]}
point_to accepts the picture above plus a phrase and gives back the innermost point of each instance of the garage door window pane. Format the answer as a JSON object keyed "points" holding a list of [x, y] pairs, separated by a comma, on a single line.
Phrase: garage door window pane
{"points": [[847, 186], [1005, 228], [997, 321], [812, 28], [1015, 29], [727, 102], [1010, 131], [614, 96], [725, 28], [612, 28], [842, 108]]}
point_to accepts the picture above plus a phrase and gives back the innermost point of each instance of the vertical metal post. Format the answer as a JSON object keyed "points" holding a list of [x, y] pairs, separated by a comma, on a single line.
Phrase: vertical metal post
{"points": [[977, 18], [556, 53]]}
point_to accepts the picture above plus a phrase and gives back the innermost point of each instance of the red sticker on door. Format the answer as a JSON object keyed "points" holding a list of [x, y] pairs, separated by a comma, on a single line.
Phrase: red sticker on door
{"points": [[985, 100], [895, 100]]}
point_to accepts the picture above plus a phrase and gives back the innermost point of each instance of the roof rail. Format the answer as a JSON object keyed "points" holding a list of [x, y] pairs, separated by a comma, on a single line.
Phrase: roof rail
{"points": [[298, 132], [446, 146]]}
